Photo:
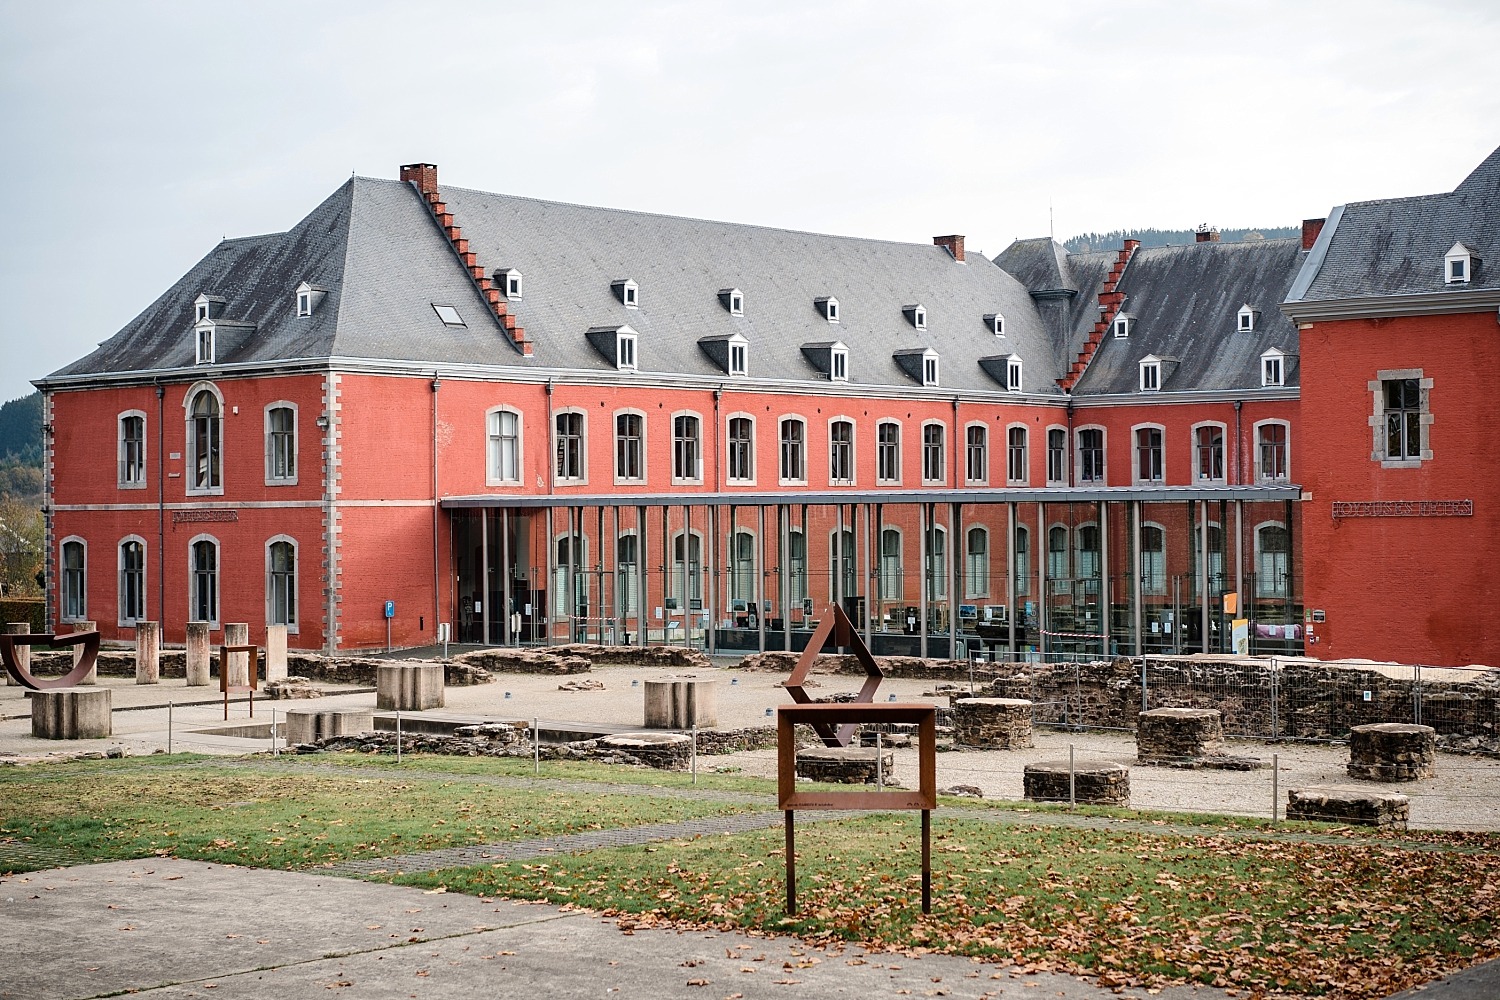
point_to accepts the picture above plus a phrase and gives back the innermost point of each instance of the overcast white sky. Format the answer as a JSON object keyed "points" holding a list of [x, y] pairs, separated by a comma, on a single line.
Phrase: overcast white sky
{"points": [[137, 135]]}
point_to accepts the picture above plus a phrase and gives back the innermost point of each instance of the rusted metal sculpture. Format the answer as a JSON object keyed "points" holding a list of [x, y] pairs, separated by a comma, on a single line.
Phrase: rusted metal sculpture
{"points": [[835, 624], [88, 640], [226, 687]]}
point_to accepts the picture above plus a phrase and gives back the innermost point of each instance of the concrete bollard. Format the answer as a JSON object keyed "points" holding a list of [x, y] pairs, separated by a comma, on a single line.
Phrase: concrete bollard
{"points": [[199, 656], [23, 653], [147, 652], [408, 687], [238, 667], [92, 677], [275, 653], [70, 713], [308, 725], [682, 703]]}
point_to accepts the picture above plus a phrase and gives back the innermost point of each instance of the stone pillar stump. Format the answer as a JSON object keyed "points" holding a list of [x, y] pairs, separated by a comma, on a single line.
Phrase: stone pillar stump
{"points": [[238, 667], [23, 653], [308, 725], [408, 687], [147, 652], [667, 751], [1366, 807], [682, 703], [992, 723], [275, 653], [844, 765], [92, 677], [199, 657], [1392, 751], [70, 713], [1095, 782], [1168, 735]]}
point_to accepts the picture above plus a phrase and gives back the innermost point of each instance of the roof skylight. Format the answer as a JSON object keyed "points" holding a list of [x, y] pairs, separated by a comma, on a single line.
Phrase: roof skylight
{"points": [[448, 315]]}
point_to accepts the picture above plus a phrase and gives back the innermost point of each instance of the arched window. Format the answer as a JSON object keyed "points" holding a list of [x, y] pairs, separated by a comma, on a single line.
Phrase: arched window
{"points": [[841, 452], [1153, 559], [687, 448], [793, 450], [937, 564], [281, 582], [742, 567], [1091, 455], [976, 453], [687, 560], [796, 566], [132, 581], [630, 447], [74, 583], [888, 452], [571, 465], [741, 445], [1016, 466], [1087, 566], [1057, 456], [892, 586], [281, 444], [571, 565], [977, 563], [132, 450], [1057, 560], [934, 462], [1149, 462], [1273, 561], [205, 443], [503, 447], [843, 556], [203, 590], [1271, 452], [1021, 560], [627, 575], [1208, 453]]}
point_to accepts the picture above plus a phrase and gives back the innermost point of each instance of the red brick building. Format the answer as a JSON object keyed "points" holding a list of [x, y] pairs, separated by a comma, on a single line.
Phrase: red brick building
{"points": [[531, 421]]}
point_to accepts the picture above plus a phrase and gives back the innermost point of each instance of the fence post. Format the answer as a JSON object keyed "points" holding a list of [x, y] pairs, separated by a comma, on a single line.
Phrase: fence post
{"points": [[1416, 694], [1145, 706], [536, 745], [695, 753], [1072, 799], [169, 725], [1275, 699], [1275, 785], [879, 753], [398, 736], [273, 732]]}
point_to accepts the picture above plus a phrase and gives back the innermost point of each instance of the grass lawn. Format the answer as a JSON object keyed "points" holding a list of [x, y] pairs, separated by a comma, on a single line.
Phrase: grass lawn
{"points": [[1135, 899]]}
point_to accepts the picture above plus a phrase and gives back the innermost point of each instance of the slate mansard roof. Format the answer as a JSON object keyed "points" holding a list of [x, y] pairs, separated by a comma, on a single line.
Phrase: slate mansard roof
{"points": [[384, 262], [1396, 247]]}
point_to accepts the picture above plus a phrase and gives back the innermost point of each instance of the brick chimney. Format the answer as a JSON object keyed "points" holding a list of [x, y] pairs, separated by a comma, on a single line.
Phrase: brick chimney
{"points": [[1310, 230], [424, 175], [1207, 234], [953, 244]]}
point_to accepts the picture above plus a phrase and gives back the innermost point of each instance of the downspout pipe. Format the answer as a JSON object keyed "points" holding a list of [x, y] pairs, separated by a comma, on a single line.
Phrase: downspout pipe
{"points": [[161, 503], [1238, 477], [437, 597], [551, 430]]}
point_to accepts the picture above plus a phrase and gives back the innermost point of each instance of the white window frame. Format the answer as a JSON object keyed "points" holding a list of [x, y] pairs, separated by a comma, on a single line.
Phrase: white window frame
{"points": [[685, 561], [784, 472], [735, 302], [1059, 575], [890, 584], [1197, 464], [564, 604], [627, 596], [729, 445], [838, 364], [1278, 589], [1135, 454], [1379, 451], [495, 443], [739, 356], [742, 573], [1152, 575], [121, 618], [293, 442], [937, 564], [1062, 464], [1080, 453], [124, 466], [996, 323], [190, 470], [292, 626], [1123, 326], [630, 294], [796, 566], [919, 317], [512, 283], [851, 457], [1020, 561], [984, 453], [582, 476], [203, 343], [218, 580], [1245, 319], [304, 303], [829, 308], [621, 476], [64, 612], [1013, 374], [1459, 254], [930, 369], [1086, 562], [625, 350], [1273, 368], [1011, 479], [1151, 375], [1261, 474], [893, 449], [976, 565], [458, 317], [696, 476], [940, 452]]}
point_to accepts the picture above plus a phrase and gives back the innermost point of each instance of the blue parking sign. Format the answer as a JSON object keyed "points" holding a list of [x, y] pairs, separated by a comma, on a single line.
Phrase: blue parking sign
{"points": [[390, 609]]}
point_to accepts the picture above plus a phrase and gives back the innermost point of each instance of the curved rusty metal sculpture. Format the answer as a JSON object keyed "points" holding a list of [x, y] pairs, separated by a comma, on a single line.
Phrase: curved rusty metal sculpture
{"points": [[88, 640]]}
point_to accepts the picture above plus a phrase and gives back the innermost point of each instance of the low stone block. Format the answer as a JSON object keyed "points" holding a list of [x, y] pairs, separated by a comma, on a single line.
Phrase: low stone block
{"points": [[70, 713], [845, 765], [408, 687], [1095, 782], [1173, 734], [1392, 751], [276, 652], [148, 652], [308, 725], [1365, 807], [992, 723], [682, 703], [668, 751]]}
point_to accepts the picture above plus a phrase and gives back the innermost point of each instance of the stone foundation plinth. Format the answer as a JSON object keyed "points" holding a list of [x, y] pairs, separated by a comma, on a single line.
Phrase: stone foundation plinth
{"points": [[668, 751], [1348, 805], [682, 703], [148, 652], [1167, 735], [199, 659], [276, 652], [1095, 782], [408, 687], [1392, 751], [308, 725], [992, 723], [70, 713], [844, 765]]}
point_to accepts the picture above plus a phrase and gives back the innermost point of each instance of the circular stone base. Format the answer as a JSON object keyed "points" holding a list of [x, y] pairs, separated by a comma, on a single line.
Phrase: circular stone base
{"points": [[1095, 782], [668, 751], [70, 713], [992, 723], [843, 765], [1392, 751]]}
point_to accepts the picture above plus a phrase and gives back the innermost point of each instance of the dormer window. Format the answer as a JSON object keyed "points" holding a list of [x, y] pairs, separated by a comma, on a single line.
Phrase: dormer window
{"points": [[304, 303], [448, 315], [625, 350], [1013, 374], [1123, 325], [308, 298], [1246, 319], [739, 358], [628, 292], [1272, 368], [205, 341], [996, 323], [828, 308], [838, 361], [919, 363], [733, 301], [1150, 374], [1459, 265], [508, 279], [207, 306], [916, 315], [930, 370]]}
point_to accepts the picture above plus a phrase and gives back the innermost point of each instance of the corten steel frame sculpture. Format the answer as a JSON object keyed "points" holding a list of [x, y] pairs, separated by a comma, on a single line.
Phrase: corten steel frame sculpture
{"points": [[88, 640], [837, 624], [224, 684]]}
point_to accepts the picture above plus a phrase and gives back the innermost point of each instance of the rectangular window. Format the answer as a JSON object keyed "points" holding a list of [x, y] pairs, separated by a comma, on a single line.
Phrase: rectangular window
{"points": [[841, 452], [1057, 455], [1057, 561], [625, 347], [630, 429], [1270, 371], [281, 445], [1150, 377], [686, 449], [976, 457], [132, 451], [74, 584], [1273, 571], [505, 447], [977, 563], [570, 465], [1013, 375], [1403, 418], [933, 466], [281, 584], [205, 582], [797, 567], [929, 371], [1091, 455], [888, 452], [1148, 455], [132, 582], [1208, 450], [205, 430], [793, 451], [1153, 560], [739, 363], [206, 346], [892, 588], [1271, 452], [741, 450], [1015, 455], [839, 371]]}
